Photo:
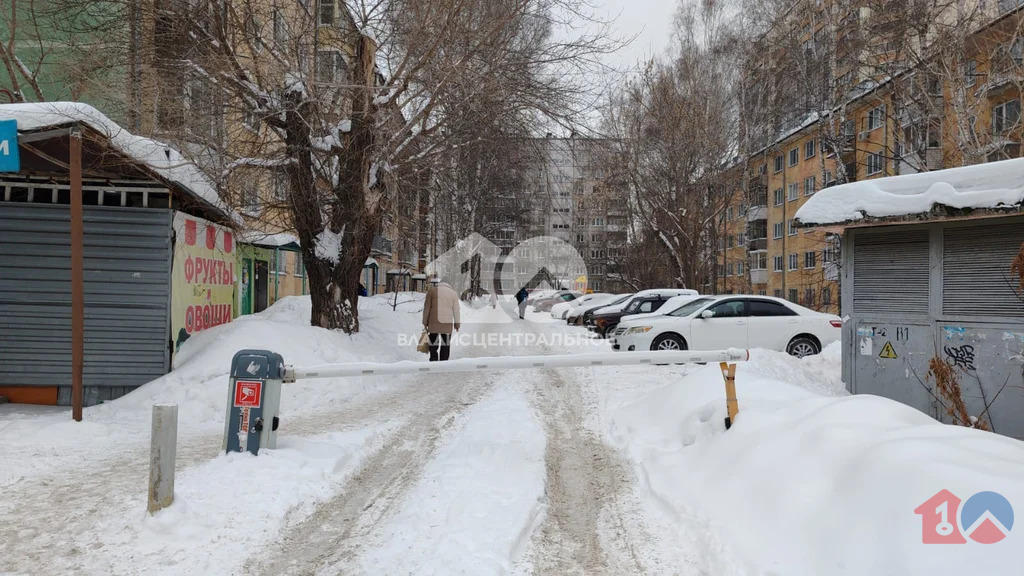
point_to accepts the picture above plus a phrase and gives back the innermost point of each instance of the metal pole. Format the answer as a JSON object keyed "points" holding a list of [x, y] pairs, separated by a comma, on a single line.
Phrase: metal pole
{"points": [[277, 272], [77, 276], [162, 449]]}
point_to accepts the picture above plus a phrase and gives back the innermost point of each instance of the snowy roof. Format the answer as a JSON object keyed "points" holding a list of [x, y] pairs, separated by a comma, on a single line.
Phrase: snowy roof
{"points": [[992, 185], [164, 161], [278, 240]]}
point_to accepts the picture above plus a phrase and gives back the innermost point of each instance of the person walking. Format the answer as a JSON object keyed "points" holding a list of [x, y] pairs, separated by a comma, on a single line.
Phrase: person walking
{"points": [[521, 298], [440, 317]]}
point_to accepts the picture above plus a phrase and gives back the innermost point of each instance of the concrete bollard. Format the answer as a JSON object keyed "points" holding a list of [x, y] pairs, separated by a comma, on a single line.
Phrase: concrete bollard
{"points": [[163, 445]]}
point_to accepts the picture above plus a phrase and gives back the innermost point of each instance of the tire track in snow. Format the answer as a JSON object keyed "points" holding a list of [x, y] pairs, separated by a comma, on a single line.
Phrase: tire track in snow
{"points": [[586, 480], [333, 533]]}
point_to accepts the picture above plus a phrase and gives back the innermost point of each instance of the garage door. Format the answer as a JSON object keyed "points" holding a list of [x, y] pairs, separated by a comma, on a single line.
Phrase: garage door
{"points": [[127, 255]]}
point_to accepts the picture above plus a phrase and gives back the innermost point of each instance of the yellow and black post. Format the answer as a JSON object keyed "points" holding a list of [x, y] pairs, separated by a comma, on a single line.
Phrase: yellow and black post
{"points": [[731, 404]]}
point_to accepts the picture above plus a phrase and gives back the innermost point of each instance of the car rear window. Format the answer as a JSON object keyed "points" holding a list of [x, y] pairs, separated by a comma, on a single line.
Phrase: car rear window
{"points": [[690, 307], [766, 308]]}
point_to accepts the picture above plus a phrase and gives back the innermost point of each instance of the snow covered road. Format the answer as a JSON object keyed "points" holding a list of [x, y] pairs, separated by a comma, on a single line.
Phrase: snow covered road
{"points": [[600, 470]]}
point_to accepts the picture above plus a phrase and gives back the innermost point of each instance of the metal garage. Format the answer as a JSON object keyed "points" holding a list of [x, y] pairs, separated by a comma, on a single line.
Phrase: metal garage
{"points": [[127, 247]]}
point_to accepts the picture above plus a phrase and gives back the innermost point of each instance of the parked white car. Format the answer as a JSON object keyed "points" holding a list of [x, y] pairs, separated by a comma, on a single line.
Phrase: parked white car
{"points": [[720, 322], [562, 310]]}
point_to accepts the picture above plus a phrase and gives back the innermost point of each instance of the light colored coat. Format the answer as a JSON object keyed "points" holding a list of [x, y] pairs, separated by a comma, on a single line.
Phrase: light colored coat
{"points": [[441, 309]]}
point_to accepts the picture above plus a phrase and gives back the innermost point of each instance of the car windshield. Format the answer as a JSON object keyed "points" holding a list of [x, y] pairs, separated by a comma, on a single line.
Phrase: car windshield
{"points": [[690, 307]]}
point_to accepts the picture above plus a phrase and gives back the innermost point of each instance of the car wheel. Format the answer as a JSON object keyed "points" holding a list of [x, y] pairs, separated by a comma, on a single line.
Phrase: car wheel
{"points": [[802, 346], [668, 342]]}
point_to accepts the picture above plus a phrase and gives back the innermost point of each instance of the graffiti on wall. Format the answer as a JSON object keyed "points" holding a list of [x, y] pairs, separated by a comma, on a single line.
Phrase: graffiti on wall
{"points": [[960, 357]]}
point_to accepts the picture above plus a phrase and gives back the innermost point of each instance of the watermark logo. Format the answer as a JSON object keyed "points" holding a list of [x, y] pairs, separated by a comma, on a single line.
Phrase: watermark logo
{"points": [[986, 518], [476, 267]]}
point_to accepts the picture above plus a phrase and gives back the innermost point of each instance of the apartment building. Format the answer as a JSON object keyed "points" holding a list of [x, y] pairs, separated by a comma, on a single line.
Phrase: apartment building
{"points": [[574, 203], [917, 120], [178, 101]]}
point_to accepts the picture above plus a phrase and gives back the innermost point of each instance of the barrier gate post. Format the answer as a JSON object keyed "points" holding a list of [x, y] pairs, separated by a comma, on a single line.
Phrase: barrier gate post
{"points": [[254, 401]]}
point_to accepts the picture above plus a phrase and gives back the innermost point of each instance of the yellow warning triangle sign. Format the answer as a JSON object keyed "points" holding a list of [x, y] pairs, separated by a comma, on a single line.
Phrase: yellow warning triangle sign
{"points": [[887, 351]]}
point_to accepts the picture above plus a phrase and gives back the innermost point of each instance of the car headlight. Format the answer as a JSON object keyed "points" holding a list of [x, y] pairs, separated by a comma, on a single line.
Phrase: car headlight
{"points": [[639, 329]]}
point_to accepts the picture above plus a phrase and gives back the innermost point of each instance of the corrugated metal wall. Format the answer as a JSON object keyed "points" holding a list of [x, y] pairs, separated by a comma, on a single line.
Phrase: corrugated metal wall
{"points": [[127, 297], [976, 271], [891, 272]]}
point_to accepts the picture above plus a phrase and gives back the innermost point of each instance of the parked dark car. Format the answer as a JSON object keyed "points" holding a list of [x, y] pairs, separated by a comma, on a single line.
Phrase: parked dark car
{"points": [[642, 303], [585, 315]]}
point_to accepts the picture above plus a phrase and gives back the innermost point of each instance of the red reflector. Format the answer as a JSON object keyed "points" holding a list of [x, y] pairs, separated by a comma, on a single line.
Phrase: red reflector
{"points": [[836, 323]]}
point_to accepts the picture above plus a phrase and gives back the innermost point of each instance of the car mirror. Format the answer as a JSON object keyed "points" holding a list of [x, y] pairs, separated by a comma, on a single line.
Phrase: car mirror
{"points": [[707, 314]]}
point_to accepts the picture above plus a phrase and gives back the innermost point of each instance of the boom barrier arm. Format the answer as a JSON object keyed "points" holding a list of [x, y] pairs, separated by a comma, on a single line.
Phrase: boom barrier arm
{"points": [[291, 374]]}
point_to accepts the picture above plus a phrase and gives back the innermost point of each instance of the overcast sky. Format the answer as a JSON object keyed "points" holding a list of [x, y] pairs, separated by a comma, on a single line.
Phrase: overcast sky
{"points": [[649, 20]]}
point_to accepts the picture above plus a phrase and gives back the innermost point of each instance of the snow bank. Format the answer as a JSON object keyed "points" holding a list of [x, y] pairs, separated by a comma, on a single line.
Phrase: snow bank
{"points": [[991, 185], [158, 157], [810, 480], [198, 384], [227, 505]]}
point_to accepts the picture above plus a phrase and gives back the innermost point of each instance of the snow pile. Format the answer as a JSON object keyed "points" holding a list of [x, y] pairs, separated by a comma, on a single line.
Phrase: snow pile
{"points": [[276, 240], [328, 245], [199, 382], [992, 185], [809, 480], [161, 159]]}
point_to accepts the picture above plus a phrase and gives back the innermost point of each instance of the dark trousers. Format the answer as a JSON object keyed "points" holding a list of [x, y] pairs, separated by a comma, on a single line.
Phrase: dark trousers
{"points": [[440, 346]]}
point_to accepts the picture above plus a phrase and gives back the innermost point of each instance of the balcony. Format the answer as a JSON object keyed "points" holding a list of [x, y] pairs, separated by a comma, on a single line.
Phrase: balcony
{"points": [[759, 276], [755, 244], [759, 212]]}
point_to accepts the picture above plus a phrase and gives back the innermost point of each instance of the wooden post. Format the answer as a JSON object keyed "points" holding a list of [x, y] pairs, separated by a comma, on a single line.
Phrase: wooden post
{"points": [[77, 276], [731, 404], [163, 445]]}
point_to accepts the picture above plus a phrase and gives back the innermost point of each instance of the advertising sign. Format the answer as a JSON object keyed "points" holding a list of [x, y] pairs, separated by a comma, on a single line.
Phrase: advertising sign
{"points": [[202, 278]]}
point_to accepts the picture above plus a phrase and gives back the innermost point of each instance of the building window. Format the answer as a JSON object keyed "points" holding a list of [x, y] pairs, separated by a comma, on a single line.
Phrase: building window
{"points": [[759, 261], [1005, 117], [810, 184], [777, 293], [730, 241], [876, 117], [779, 197], [762, 292], [250, 198], [792, 295], [778, 163], [579, 238], [794, 156], [280, 27], [729, 269], [792, 226], [826, 296], [728, 213], [970, 73], [831, 252], [327, 12], [809, 297], [777, 230], [794, 261], [597, 222], [331, 67], [739, 268], [794, 191], [809, 149], [280, 184], [777, 260], [280, 262], [876, 163], [810, 259], [300, 268], [250, 119]]}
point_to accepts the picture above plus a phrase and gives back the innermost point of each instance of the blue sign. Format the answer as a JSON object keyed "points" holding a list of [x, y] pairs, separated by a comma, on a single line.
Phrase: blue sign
{"points": [[9, 159]]}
